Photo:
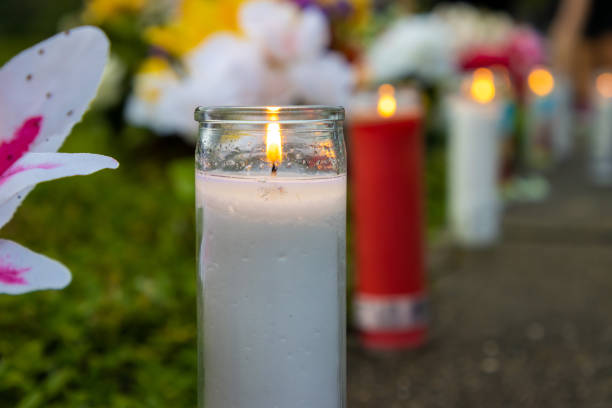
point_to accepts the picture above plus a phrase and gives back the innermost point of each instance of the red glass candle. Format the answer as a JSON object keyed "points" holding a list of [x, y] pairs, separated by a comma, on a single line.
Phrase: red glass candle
{"points": [[386, 160]]}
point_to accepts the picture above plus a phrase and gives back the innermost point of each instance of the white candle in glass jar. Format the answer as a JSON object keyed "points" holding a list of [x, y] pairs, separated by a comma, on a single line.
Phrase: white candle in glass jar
{"points": [[600, 162], [473, 170], [271, 253], [563, 119], [541, 142], [475, 130]]}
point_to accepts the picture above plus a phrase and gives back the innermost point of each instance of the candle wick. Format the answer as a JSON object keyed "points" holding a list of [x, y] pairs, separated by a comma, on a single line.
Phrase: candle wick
{"points": [[274, 168]]}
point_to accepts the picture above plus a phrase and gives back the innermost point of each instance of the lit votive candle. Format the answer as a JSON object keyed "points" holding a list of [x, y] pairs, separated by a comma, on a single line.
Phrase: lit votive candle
{"points": [[390, 300], [600, 160], [541, 110], [474, 161], [271, 203]]}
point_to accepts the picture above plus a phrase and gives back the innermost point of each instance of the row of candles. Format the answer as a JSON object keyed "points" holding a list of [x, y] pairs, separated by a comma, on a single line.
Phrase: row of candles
{"points": [[271, 206]]}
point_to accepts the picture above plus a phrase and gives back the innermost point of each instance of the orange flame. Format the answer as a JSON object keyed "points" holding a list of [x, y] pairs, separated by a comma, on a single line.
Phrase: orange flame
{"points": [[274, 148], [540, 81], [604, 84], [482, 88], [386, 101]]}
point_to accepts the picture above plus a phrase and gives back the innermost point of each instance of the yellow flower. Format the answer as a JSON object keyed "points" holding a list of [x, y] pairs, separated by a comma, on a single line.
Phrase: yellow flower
{"points": [[154, 65], [194, 21], [100, 11], [362, 11]]}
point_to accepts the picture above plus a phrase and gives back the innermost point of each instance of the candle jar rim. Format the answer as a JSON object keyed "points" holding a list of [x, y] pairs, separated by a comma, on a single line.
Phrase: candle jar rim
{"points": [[292, 114]]}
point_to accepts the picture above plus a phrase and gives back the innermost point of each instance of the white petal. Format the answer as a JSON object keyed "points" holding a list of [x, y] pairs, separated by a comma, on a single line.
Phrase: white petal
{"points": [[8, 208], [278, 88], [144, 105], [312, 34], [34, 168], [55, 79], [418, 45], [225, 70], [22, 270], [327, 80], [271, 24]]}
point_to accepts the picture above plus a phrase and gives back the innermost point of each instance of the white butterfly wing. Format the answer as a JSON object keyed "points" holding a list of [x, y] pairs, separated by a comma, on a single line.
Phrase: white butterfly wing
{"points": [[34, 168], [55, 79], [22, 270]]}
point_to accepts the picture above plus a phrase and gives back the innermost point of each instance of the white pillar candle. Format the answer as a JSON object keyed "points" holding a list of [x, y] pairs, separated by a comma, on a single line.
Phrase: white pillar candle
{"points": [[600, 160], [541, 108], [473, 169], [563, 119], [539, 131], [270, 256]]}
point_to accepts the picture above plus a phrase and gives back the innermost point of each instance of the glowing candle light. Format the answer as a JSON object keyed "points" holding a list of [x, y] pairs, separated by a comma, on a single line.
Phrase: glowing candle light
{"points": [[604, 84], [482, 88], [386, 101], [274, 148], [541, 81]]}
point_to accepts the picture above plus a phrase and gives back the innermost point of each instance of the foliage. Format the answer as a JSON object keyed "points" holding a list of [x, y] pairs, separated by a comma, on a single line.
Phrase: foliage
{"points": [[123, 333]]}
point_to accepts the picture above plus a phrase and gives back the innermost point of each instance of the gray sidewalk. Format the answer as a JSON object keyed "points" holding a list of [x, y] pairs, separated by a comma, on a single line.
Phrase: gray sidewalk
{"points": [[525, 324]]}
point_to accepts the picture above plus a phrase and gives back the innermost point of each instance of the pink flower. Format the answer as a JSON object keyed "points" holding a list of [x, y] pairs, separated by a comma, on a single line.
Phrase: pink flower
{"points": [[44, 91]]}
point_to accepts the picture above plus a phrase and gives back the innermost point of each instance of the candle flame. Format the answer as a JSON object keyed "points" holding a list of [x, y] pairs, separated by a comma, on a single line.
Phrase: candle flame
{"points": [[386, 101], [274, 149], [541, 81], [482, 88], [604, 84]]}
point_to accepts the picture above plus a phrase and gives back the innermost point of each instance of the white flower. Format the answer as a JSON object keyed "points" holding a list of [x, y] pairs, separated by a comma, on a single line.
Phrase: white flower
{"points": [[224, 70], [472, 28], [148, 106], [44, 91], [281, 59], [326, 80], [412, 46], [283, 31], [296, 42]]}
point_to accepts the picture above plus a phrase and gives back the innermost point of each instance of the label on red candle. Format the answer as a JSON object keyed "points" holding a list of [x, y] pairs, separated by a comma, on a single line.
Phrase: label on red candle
{"points": [[391, 312]]}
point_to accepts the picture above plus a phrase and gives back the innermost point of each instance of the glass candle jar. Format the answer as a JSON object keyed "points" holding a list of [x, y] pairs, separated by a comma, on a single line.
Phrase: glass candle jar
{"points": [[386, 150], [475, 118], [271, 250]]}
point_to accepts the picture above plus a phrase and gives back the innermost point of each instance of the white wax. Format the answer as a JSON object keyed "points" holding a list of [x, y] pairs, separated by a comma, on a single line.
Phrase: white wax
{"points": [[600, 161], [473, 169], [272, 264], [563, 119]]}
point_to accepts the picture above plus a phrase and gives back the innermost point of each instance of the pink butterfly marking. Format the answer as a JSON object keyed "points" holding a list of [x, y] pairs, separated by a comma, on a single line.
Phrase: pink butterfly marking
{"points": [[10, 275], [19, 145], [10, 152]]}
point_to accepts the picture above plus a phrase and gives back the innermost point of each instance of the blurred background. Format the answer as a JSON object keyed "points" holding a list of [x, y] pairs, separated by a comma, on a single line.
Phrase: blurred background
{"points": [[519, 297]]}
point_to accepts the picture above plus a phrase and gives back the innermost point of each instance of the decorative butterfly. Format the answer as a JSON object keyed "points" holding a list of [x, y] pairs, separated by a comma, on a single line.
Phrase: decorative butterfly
{"points": [[44, 91]]}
